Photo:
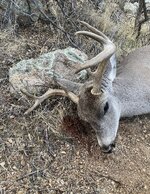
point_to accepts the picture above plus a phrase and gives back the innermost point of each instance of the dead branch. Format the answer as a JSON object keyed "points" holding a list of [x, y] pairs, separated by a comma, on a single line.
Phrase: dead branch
{"points": [[108, 177], [142, 12], [8, 13], [36, 172]]}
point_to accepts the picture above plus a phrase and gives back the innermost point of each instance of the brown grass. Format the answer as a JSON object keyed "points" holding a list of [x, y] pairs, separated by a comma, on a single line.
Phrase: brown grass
{"points": [[51, 150]]}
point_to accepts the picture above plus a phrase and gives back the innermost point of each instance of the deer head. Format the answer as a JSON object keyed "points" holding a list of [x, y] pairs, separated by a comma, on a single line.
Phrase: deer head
{"points": [[96, 102]]}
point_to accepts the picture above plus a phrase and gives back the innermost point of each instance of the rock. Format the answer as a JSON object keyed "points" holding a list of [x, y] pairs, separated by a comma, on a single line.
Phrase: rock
{"points": [[131, 8], [145, 28], [147, 5], [34, 74]]}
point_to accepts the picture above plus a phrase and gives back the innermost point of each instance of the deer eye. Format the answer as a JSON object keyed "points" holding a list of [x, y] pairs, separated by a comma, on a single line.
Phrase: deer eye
{"points": [[106, 107]]}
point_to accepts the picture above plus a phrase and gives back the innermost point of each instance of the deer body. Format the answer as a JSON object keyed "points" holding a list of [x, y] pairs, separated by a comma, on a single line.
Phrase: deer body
{"points": [[132, 85], [106, 98]]}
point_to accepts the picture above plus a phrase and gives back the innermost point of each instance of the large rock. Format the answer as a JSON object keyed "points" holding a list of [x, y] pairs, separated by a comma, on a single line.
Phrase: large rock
{"points": [[131, 8], [34, 74], [147, 4]]}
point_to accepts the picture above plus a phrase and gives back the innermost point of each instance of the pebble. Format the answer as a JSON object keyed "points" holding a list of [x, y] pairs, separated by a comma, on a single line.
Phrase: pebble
{"points": [[12, 116]]}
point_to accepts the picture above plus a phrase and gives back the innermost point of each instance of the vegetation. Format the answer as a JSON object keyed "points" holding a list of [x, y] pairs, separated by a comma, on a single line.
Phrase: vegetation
{"points": [[51, 150]]}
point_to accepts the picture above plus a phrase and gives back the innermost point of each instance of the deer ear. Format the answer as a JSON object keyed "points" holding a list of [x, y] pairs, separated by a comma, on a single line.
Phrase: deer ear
{"points": [[110, 72], [69, 86]]}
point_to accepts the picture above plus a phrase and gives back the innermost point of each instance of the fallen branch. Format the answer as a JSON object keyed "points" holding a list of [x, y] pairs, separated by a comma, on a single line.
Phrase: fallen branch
{"points": [[119, 183], [138, 21], [30, 174]]}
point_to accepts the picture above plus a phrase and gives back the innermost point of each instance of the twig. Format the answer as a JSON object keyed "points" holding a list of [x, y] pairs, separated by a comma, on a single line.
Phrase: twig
{"points": [[1, 80], [61, 8], [138, 22], [107, 177], [67, 17], [30, 174], [66, 33], [23, 12], [8, 11], [29, 7]]}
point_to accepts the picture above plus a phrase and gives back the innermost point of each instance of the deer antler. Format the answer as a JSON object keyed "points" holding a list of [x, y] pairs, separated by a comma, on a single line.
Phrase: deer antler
{"points": [[101, 58], [50, 92]]}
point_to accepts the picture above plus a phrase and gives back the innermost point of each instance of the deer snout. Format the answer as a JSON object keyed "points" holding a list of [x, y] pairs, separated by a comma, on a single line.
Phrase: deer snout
{"points": [[107, 144], [108, 149]]}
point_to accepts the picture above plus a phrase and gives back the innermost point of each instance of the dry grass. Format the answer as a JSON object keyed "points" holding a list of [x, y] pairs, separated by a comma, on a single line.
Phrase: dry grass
{"points": [[51, 150]]}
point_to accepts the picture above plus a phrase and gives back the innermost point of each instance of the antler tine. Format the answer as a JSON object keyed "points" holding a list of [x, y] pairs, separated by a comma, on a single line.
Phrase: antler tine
{"points": [[109, 49], [94, 30], [101, 58], [50, 92], [97, 78], [93, 35]]}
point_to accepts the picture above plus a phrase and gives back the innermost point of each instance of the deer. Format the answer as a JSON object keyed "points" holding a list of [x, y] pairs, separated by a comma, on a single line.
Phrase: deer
{"points": [[106, 97]]}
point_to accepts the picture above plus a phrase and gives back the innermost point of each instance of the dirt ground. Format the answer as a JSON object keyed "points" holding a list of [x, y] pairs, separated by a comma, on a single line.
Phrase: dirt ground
{"points": [[38, 157]]}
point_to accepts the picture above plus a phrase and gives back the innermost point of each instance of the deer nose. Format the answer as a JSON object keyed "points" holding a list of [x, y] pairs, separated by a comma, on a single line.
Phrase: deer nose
{"points": [[108, 149]]}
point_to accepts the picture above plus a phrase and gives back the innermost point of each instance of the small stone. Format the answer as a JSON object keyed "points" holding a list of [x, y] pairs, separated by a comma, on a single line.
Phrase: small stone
{"points": [[21, 192], [1, 127], [63, 152], [12, 116], [10, 140], [130, 8], [15, 168], [145, 187], [2, 164]]}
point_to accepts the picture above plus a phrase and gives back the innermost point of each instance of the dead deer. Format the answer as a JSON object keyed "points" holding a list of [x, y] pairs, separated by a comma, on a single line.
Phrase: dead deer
{"points": [[106, 98]]}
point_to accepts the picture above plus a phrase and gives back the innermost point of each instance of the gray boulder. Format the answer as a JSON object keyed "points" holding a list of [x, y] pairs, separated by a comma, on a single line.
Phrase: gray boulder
{"points": [[131, 8], [35, 74]]}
